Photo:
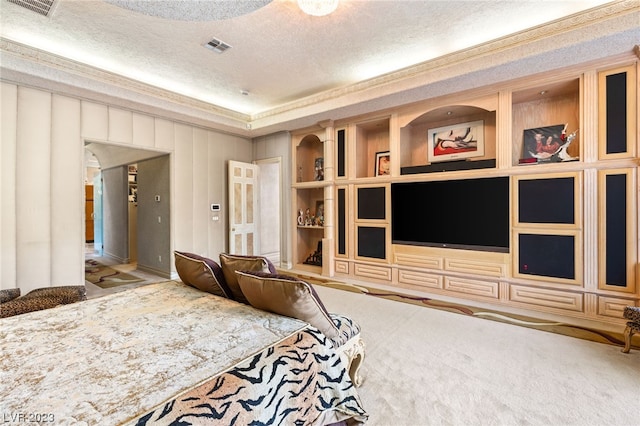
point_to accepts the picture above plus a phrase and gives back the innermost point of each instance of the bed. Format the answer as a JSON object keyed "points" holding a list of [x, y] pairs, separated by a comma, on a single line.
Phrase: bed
{"points": [[169, 353]]}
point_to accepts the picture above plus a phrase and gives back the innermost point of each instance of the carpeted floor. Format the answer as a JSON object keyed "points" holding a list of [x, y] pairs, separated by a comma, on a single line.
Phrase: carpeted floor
{"points": [[435, 367], [106, 277], [596, 335]]}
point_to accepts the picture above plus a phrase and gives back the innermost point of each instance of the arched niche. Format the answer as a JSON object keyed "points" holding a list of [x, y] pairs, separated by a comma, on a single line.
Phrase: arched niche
{"points": [[415, 135], [309, 157]]}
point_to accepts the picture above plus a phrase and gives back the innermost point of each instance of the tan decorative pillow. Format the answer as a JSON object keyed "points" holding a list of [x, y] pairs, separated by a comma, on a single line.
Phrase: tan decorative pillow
{"points": [[202, 273], [234, 262], [287, 296]]}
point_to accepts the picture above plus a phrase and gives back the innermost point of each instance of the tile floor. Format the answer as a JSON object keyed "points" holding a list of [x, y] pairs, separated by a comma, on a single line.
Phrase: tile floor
{"points": [[130, 268]]}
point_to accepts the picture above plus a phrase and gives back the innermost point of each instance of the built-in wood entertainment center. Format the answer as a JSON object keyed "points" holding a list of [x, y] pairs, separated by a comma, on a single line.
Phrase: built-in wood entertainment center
{"points": [[573, 215]]}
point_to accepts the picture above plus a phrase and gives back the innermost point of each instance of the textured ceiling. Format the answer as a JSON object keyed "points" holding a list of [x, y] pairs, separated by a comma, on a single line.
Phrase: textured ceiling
{"points": [[279, 56]]}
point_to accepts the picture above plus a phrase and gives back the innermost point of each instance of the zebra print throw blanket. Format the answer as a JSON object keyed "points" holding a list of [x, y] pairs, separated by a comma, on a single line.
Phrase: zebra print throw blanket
{"points": [[299, 381], [142, 355]]}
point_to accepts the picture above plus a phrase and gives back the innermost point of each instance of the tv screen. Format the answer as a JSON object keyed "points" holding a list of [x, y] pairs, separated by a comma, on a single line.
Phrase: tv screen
{"points": [[468, 214]]}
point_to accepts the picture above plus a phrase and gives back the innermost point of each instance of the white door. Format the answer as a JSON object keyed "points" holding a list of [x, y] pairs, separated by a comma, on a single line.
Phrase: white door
{"points": [[243, 202]]}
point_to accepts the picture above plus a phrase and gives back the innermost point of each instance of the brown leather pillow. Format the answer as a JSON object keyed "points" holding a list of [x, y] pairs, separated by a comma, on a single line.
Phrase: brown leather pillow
{"points": [[202, 273], [234, 262], [287, 296]]}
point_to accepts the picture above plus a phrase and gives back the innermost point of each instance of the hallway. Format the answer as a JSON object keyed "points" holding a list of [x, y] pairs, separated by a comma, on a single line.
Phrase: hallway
{"points": [[94, 291]]}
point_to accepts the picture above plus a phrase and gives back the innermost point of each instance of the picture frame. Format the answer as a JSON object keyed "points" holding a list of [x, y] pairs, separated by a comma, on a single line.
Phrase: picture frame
{"points": [[133, 193], [383, 163], [542, 142], [458, 141]]}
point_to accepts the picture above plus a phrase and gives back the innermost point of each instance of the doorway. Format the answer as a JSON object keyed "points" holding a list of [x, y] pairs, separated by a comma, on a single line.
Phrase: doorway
{"points": [[270, 208], [255, 207], [116, 232]]}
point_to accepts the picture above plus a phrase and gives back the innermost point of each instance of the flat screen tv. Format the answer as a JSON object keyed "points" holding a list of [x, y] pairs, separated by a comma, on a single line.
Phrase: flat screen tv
{"points": [[471, 214]]}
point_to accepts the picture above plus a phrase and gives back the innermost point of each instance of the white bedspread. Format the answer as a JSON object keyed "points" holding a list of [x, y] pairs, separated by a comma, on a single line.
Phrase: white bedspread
{"points": [[105, 360]]}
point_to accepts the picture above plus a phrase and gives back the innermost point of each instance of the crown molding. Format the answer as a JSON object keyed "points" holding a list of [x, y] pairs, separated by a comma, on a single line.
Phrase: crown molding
{"points": [[607, 20], [51, 60]]}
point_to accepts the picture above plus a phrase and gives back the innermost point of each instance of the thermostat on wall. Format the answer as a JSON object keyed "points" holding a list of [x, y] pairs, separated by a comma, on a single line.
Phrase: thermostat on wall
{"points": [[215, 207]]}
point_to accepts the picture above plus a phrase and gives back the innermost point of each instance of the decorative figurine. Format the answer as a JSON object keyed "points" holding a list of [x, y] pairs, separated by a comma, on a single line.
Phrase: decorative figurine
{"points": [[307, 218], [319, 169], [562, 151]]}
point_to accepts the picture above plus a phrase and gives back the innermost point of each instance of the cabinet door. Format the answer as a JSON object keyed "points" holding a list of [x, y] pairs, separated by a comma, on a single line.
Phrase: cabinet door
{"points": [[547, 231], [617, 217], [617, 112], [372, 222], [341, 153], [341, 221]]}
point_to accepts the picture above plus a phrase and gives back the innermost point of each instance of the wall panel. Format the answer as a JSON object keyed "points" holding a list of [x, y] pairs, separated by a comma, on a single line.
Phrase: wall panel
{"points": [[9, 106], [67, 211], [95, 121], [120, 125], [164, 137], [182, 188], [217, 177], [33, 186], [201, 208], [143, 129]]}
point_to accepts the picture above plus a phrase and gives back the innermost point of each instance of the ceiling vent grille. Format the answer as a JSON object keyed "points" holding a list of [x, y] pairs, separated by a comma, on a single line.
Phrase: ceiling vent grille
{"points": [[42, 7], [217, 46]]}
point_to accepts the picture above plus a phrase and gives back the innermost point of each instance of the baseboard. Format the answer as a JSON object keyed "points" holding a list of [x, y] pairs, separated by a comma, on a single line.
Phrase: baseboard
{"points": [[594, 332], [158, 272]]}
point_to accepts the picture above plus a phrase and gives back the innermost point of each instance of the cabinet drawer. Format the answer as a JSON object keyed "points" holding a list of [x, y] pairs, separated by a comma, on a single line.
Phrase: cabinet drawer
{"points": [[612, 306], [472, 287], [372, 271], [409, 259], [477, 267], [342, 266], [419, 279], [545, 297]]}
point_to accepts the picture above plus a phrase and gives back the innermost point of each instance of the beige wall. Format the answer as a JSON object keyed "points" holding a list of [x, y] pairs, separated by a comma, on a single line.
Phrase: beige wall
{"points": [[42, 211]]}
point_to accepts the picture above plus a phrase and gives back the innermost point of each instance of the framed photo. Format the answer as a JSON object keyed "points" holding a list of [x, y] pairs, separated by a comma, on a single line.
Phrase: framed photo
{"points": [[542, 142], [382, 163], [133, 193], [464, 140]]}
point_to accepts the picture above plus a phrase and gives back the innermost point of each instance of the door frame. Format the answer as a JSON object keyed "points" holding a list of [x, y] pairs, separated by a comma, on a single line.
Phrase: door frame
{"points": [[262, 220]]}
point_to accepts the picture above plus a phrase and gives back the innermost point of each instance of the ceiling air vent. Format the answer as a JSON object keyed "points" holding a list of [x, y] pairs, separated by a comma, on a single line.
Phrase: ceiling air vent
{"points": [[42, 7], [217, 46]]}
